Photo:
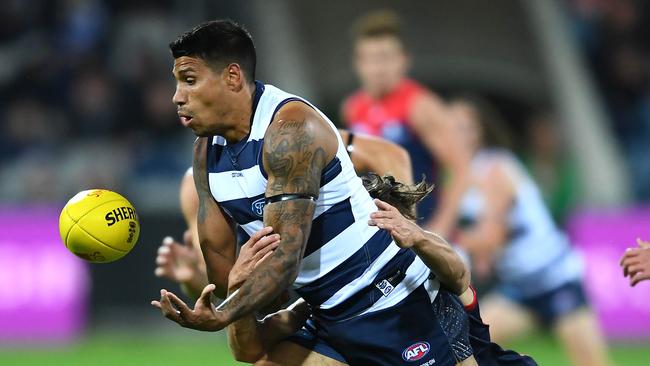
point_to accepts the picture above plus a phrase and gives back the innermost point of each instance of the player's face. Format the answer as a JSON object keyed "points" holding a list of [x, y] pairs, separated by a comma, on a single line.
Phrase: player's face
{"points": [[466, 121], [380, 62], [200, 97]]}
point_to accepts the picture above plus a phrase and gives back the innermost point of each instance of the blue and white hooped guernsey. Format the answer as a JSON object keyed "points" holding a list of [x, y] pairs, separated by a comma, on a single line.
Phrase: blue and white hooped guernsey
{"points": [[347, 263], [537, 256]]}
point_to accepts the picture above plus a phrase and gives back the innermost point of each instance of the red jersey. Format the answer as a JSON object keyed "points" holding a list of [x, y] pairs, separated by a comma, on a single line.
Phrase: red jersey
{"points": [[388, 117]]}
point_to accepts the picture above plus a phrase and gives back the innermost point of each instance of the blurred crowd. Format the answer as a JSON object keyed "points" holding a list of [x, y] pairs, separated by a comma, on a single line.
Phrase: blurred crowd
{"points": [[615, 37], [85, 99]]}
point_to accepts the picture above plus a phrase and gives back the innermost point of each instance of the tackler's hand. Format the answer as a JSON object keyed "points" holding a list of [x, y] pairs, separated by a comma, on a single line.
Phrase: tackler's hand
{"points": [[405, 232]]}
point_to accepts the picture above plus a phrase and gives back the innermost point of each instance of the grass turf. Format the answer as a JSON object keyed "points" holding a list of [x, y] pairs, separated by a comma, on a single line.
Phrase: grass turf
{"points": [[143, 349]]}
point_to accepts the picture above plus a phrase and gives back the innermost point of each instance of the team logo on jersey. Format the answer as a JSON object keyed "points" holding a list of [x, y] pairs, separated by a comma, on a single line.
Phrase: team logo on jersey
{"points": [[416, 351], [385, 287], [258, 207]]}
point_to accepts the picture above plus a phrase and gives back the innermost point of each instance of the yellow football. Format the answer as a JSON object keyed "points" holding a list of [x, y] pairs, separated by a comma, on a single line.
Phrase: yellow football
{"points": [[99, 225]]}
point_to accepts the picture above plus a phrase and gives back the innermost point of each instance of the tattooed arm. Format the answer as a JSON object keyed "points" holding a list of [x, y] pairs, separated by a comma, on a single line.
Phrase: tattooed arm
{"points": [[216, 232], [297, 146], [248, 338]]}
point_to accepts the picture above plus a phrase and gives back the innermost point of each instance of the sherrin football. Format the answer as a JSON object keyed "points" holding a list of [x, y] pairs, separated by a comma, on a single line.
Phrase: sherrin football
{"points": [[99, 225]]}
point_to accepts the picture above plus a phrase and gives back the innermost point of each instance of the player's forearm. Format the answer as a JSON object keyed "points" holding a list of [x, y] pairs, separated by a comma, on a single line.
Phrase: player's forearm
{"points": [[217, 263], [441, 258], [292, 220], [216, 233], [281, 324], [245, 338], [217, 267], [265, 283], [249, 339]]}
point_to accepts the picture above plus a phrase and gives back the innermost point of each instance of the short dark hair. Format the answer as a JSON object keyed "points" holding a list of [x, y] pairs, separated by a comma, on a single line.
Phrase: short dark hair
{"points": [[379, 23], [218, 42]]}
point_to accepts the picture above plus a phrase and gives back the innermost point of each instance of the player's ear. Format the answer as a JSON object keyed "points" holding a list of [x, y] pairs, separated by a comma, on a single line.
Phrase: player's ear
{"points": [[234, 77]]}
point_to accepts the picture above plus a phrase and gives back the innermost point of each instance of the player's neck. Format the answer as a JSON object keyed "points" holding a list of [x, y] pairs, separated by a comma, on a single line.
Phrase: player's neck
{"points": [[379, 93], [239, 118]]}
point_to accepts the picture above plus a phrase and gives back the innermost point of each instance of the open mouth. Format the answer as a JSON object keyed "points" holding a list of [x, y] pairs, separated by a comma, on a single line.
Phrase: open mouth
{"points": [[185, 119]]}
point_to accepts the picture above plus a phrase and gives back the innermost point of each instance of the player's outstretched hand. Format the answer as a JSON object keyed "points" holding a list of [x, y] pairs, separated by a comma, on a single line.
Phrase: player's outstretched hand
{"points": [[203, 317], [636, 262], [259, 247], [405, 232], [178, 262]]}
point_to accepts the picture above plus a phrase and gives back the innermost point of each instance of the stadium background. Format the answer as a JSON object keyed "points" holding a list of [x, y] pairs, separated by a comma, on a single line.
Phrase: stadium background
{"points": [[85, 101]]}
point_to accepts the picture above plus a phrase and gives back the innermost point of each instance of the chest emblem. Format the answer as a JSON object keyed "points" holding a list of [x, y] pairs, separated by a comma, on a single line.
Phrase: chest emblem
{"points": [[258, 206]]}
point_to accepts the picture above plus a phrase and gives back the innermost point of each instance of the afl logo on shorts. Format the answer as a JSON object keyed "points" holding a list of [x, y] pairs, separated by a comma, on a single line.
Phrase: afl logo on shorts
{"points": [[416, 351], [258, 207]]}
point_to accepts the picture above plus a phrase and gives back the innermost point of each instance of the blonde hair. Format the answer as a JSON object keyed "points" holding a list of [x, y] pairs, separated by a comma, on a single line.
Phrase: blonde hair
{"points": [[402, 196]]}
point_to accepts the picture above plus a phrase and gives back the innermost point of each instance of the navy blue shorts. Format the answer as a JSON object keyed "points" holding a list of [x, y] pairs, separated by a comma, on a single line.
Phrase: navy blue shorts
{"points": [[454, 322], [408, 333], [551, 305]]}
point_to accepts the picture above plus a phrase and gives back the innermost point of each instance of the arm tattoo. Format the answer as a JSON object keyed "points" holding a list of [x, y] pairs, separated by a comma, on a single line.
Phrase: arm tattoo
{"points": [[295, 158]]}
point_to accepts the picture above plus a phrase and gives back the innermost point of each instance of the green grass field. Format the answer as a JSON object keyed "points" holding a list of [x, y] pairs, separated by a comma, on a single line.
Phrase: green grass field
{"points": [[143, 349]]}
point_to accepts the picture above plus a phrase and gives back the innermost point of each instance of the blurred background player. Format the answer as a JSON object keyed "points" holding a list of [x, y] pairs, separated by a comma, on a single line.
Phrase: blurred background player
{"points": [[397, 108], [551, 165], [506, 227]]}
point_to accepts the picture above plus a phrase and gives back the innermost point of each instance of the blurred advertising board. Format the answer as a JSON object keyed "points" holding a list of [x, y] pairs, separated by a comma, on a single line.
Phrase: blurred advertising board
{"points": [[43, 287], [602, 237]]}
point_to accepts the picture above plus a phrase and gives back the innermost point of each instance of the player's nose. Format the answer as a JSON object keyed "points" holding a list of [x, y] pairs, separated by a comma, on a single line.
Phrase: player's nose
{"points": [[179, 97]]}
